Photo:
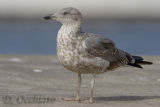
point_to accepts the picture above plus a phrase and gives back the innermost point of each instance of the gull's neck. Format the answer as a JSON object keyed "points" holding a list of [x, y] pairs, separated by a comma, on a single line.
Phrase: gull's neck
{"points": [[70, 29]]}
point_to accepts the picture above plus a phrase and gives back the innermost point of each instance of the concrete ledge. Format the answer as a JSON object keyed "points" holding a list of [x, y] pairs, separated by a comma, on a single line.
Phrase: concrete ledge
{"points": [[24, 78]]}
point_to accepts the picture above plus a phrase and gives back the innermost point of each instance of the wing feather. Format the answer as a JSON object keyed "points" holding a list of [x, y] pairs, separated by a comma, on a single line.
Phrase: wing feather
{"points": [[98, 46]]}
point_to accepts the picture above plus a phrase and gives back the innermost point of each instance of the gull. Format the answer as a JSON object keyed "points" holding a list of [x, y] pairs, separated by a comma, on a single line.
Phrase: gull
{"points": [[87, 53]]}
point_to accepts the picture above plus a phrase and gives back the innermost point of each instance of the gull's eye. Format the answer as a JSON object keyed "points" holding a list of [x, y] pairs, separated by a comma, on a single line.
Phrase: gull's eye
{"points": [[65, 13]]}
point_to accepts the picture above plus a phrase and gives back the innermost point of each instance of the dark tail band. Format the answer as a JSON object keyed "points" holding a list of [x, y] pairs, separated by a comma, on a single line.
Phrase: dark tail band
{"points": [[139, 61], [135, 65], [144, 62]]}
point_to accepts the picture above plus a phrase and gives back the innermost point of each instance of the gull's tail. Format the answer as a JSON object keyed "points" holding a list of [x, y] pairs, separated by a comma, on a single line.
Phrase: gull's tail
{"points": [[139, 61]]}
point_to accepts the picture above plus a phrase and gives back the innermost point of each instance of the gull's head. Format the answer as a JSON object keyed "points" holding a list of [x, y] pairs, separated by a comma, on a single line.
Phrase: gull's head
{"points": [[66, 15]]}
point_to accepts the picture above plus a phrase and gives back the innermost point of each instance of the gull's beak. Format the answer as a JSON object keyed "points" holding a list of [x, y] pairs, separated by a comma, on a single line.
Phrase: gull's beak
{"points": [[48, 17]]}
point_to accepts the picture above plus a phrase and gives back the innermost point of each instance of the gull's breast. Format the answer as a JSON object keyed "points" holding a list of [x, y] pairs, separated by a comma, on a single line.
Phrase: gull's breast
{"points": [[68, 50], [72, 57]]}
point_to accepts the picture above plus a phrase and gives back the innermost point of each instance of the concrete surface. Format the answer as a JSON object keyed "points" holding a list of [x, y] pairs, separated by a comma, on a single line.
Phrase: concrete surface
{"points": [[40, 81]]}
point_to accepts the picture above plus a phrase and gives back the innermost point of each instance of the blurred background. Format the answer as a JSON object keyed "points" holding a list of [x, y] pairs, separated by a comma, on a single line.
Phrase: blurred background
{"points": [[134, 25]]}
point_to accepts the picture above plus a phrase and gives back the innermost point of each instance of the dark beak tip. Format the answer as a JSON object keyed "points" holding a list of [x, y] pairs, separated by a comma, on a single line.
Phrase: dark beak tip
{"points": [[47, 17]]}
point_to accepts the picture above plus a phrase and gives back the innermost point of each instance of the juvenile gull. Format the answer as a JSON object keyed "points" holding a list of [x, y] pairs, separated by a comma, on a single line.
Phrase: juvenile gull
{"points": [[87, 53]]}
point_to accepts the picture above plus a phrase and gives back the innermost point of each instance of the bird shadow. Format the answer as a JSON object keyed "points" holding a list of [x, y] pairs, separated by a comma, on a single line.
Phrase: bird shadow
{"points": [[125, 98]]}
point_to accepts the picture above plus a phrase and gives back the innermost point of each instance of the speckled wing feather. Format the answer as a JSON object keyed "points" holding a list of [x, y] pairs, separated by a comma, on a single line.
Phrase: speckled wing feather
{"points": [[104, 48]]}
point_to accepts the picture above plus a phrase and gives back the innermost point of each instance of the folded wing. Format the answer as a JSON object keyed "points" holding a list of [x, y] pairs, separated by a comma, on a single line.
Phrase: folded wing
{"points": [[104, 48]]}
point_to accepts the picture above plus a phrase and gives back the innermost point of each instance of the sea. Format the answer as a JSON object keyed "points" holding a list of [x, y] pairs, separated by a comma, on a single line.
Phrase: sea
{"points": [[140, 37]]}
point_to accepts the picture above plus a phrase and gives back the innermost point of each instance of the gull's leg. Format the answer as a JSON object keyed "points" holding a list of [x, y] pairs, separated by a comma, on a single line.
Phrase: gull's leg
{"points": [[91, 100], [78, 91], [92, 88]]}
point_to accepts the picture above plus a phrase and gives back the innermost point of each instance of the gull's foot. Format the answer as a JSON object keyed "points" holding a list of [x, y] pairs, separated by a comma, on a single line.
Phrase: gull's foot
{"points": [[71, 99], [87, 101]]}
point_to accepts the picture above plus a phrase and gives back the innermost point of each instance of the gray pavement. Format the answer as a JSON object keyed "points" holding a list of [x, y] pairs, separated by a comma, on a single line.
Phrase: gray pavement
{"points": [[40, 81]]}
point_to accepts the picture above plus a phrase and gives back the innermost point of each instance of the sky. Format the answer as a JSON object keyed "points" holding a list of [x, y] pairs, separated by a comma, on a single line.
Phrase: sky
{"points": [[90, 8]]}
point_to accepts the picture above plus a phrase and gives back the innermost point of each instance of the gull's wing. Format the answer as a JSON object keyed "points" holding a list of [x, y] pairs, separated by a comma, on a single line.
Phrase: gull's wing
{"points": [[104, 48]]}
